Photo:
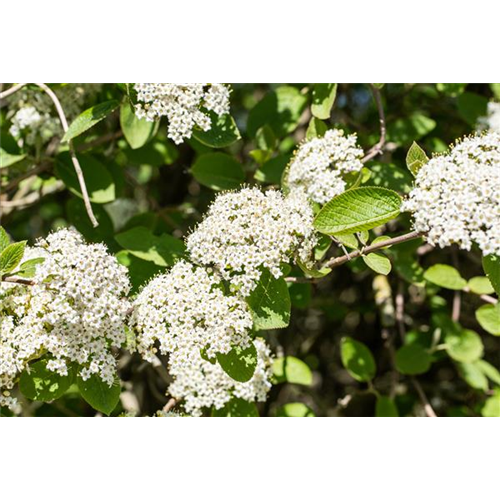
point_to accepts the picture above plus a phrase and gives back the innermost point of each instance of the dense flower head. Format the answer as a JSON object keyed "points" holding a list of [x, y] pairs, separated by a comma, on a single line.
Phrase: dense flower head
{"points": [[456, 197], [33, 115], [201, 384], [319, 164], [182, 105], [248, 230], [187, 308], [75, 312]]}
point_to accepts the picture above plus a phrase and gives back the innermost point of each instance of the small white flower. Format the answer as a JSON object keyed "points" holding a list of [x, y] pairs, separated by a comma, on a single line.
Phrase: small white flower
{"points": [[181, 104], [187, 308], [248, 230], [319, 164], [75, 313], [456, 198], [201, 384]]}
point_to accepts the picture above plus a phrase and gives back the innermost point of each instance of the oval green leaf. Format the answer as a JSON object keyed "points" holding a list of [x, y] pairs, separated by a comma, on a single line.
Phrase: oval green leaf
{"points": [[357, 210], [218, 171], [357, 359]]}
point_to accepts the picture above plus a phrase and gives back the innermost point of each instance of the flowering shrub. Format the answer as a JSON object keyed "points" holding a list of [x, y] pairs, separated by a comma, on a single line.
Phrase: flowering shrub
{"points": [[282, 250]]}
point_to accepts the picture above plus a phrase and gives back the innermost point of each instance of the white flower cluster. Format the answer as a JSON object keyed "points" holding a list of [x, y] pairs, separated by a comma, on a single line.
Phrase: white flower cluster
{"points": [[187, 312], [248, 230], [187, 308], [75, 313], [492, 120], [456, 197], [319, 164], [201, 384], [181, 104], [33, 116]]}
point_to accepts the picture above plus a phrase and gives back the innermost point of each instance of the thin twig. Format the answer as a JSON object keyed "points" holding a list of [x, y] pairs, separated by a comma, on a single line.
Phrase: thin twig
{"points": [[170, 404], [400, 307], [375, 150], [12, 90], [17, 281], [74, 159], [429, 411], [489, 299], [31, 198], [26, 175], [338, 261]]}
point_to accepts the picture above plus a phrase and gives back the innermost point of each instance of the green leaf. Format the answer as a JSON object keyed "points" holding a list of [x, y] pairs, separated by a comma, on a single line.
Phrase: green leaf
{"points": [[488, 316], [348, 240], [295, 410], [378, 263], [140, 271], [98, 179], [99, 394], [239, 407], [291, 370], [316, 128], [472, 106], [6, 159], [452, 89], [416, 158], [265, 138], [89, 118], [272, 170], [473, 375], [41, 384], [270, 303], [445, 277], [281, 109], [406, 130], [218, 171], [480, 285], [491, 266], [312, 272], [4, 239], [489, 370], [11, 256], [323, 97], [357, 210], [28, 268], [391, 176], [223, 132], [137, 132], [357, 359], [413, 359], [463, 345], [156, 153], [385, 407], [495, 88], [163, 250], [492, 407], [239, 363]]}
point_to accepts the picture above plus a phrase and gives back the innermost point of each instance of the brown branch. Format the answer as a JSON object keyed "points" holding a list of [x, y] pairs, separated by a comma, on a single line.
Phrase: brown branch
{"points": [[26, 175], [377, 149], [74, 159], [17, 281], [170, 404], [338, 261]]}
